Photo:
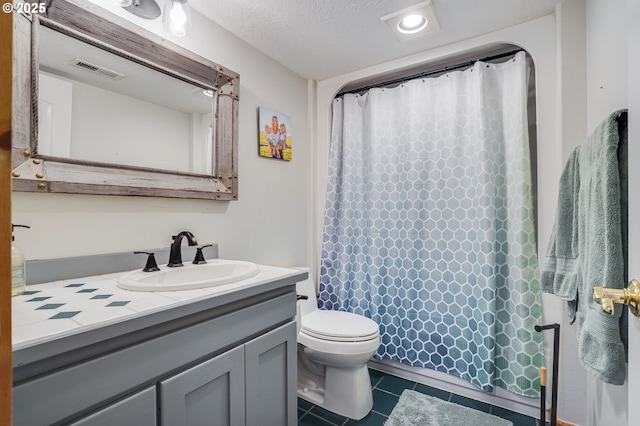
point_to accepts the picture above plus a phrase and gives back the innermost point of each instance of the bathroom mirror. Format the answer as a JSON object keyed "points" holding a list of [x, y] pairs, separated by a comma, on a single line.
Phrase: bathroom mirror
{"points": [[117, 110], [96, 106]]}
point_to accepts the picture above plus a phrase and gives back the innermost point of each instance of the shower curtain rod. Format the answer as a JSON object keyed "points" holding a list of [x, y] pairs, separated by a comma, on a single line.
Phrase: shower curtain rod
{"points": [[432, 72]]}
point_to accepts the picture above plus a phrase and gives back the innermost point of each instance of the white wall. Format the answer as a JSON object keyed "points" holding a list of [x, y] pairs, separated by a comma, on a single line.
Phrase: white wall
{"points": [[572, 100], [606, 59], [267, 224], [607, 91]]}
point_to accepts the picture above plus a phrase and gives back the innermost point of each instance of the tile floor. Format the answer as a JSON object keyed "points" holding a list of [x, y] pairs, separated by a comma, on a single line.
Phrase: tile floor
{"points": [[386, 392]]}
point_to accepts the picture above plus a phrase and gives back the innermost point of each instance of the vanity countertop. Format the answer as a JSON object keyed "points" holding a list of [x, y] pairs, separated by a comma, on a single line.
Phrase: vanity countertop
{"points": [[59, 316]]}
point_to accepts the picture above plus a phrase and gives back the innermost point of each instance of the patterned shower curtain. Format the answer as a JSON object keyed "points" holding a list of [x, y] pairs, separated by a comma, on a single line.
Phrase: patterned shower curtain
{"points": [[429, 225]]}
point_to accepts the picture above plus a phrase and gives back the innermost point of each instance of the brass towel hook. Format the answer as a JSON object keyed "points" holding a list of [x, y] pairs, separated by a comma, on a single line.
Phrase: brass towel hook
{"points": [[626, 296]]}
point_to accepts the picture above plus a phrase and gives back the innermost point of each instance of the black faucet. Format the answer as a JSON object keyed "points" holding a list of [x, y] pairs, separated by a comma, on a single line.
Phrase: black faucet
{"points": [[175, 255]]}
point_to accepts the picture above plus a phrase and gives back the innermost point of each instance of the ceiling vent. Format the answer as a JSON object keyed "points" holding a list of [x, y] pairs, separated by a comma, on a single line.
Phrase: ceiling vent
{"points": [[105, 72]]}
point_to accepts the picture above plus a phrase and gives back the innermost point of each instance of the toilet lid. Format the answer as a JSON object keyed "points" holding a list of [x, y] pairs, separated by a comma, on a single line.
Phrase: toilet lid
{"points": [[339, 326]]}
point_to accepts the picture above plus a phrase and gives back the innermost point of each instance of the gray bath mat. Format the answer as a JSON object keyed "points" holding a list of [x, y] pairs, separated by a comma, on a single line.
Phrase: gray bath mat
{"points": [[415, 408]]}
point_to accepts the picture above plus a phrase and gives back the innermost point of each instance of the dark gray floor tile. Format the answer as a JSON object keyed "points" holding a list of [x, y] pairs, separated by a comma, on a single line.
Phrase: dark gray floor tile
{"points": [[371, 419], [471, 403], [383, 402], [311, 420], [386, 393], [431, 391], [516, 418], [305, 405], [301, 413], [395, 385], [328, 415], [375, 376]]}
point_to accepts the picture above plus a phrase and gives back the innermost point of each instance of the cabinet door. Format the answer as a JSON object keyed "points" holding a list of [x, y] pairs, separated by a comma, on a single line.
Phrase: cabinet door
{"points": [[138, 409], [271, 376], [211, 393]]}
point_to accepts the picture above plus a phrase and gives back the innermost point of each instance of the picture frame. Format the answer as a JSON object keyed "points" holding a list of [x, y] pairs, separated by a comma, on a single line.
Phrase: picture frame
{"points": [[274, 135]]}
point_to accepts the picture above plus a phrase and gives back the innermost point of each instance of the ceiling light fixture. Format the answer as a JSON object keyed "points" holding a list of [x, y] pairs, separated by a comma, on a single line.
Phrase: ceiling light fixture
{"points": [[203, 93], [412, 24], [413, 21], [176, 17]]}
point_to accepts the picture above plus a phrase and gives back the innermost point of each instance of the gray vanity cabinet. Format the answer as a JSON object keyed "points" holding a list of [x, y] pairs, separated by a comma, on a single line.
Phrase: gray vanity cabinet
{"points": [[231, 364], [211, 393], [138, 409], [249, 385], [271, 378]]}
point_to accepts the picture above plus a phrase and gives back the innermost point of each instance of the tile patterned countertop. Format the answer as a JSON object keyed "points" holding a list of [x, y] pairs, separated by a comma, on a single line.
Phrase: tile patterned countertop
{"points": [[49, 311]]}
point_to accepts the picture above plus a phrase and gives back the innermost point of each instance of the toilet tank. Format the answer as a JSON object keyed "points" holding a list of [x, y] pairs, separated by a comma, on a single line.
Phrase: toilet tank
{"points": [[307, 288]]}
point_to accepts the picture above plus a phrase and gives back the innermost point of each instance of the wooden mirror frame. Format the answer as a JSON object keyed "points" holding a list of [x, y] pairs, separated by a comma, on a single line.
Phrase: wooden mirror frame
{"points": [[90, 23]]}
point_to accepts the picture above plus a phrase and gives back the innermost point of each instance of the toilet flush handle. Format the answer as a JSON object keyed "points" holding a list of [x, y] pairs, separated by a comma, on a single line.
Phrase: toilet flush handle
{"points": [[301, 297]]}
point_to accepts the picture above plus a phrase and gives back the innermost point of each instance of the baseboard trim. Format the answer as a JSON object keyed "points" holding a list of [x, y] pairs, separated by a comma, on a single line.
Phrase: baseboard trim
{"points": [[500, 397]]}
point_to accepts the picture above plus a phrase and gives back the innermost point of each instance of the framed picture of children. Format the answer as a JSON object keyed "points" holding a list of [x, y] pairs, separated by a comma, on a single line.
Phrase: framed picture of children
{"points": [[274, 134]]}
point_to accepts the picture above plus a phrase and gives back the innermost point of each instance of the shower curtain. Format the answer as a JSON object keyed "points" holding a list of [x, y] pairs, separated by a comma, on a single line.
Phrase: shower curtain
{"points": [[429, 224]]}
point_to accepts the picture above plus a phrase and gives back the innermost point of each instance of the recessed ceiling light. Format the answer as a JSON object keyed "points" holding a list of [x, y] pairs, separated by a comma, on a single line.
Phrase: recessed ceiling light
{"points": [[412, 24], [413, 21], [203, 93]]}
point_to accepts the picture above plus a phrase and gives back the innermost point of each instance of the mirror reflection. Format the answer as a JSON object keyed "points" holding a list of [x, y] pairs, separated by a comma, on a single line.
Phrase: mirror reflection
{"points": [[99, 107]]}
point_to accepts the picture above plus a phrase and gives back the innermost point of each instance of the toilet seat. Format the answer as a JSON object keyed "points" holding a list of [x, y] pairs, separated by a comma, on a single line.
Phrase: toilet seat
{"points": [[338, 326]]}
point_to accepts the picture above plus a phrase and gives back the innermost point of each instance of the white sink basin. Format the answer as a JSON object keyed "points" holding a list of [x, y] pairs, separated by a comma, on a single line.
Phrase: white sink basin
{"points": [[213, 273]]}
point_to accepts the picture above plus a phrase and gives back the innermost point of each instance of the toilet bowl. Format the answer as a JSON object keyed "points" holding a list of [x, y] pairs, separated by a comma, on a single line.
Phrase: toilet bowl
{"points": [[333, 350]]}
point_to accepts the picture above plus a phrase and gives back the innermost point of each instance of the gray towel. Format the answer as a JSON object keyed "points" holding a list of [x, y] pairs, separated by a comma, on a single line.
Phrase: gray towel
{"points": [[601, 250], [599, 212], [560, 267]]}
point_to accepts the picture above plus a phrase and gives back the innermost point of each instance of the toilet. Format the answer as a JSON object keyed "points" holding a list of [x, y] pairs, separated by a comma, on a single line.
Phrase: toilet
{"points": [[333, 350]]}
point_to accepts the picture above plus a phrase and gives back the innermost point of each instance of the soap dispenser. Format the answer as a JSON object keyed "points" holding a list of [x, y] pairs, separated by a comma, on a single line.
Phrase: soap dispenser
{"points": [[18, 276]]}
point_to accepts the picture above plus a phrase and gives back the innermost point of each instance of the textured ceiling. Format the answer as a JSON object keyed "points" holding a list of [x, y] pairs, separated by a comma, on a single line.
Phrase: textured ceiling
{"points": [[320, 39]]}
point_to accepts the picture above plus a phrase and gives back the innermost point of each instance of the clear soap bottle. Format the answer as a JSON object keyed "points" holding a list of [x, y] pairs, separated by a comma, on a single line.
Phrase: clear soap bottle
{"points": [[18, 275]]}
